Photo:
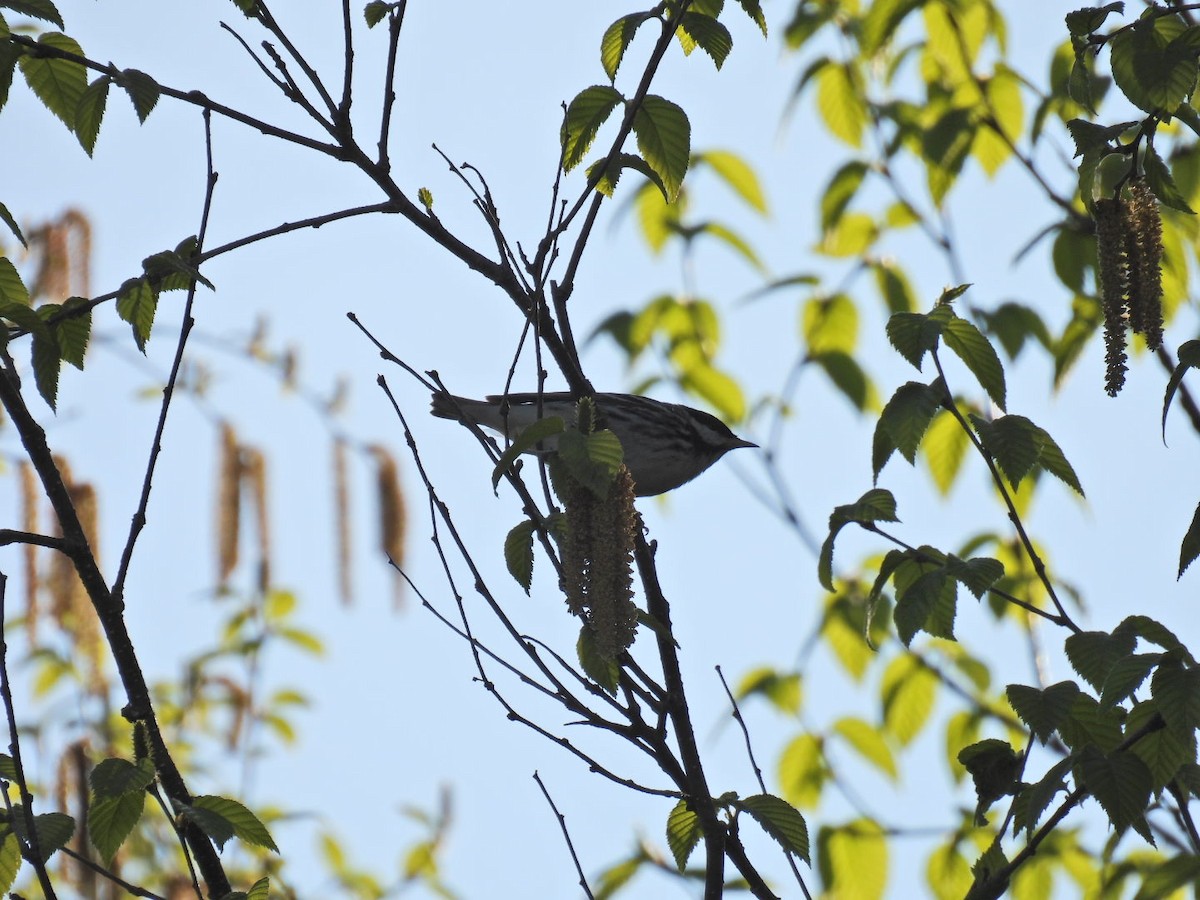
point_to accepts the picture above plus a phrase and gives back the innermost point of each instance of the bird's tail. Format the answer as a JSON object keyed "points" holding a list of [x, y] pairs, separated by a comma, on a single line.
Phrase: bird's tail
{"points": [[448, 406]]}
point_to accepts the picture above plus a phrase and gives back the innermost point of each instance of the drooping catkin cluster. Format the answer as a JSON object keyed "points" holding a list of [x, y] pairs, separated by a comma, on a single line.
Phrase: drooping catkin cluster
{"points": [[1129, 252], [597, 559], [241, 474]]}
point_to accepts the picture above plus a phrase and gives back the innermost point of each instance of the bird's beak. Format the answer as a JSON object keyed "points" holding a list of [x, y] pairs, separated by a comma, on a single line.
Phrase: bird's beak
{"points": [[741, 443]]}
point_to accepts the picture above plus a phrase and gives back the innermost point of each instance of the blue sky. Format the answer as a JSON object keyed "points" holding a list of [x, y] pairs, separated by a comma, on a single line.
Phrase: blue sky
{"points": [[396, 713]]}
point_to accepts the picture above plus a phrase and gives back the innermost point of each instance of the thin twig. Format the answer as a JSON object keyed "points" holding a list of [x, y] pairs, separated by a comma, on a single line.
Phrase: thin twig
{"points": [[185, 328], [562, 824]]}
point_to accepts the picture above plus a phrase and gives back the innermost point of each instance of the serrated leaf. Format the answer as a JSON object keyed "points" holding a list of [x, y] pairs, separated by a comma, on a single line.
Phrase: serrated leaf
{"points": [[1120, 782], [904, 421], [114, 777], [1082, 22], [977, 574], [143, 91], [1036, 797], [876, 505], [374, 12], [47, 365], [74, 331], [781, 821], [1090, 724], [12, 288], [1043, 711], [977, 353], [802, 771], [53, 829], [914, 334], [585, 114], [170, 271], [1168, 877], [518, 553], [1017, 445], [7, 217], [598, 666], [1158, 177], [38, 9], [1177, 691], [924, 603], [664, 137], [137, 304], [1154, 63], [1093, 654], [1189, 548], [1165, 751], [1126, 676], [527, 440], [10, 860], [58, 83], [1189, 358], [112, 818], [1156, 633], [246, 826], [708, 34], [592, 459], [683, 833], [1091, 136], [753, 9], [90, 112], [616, 40], [848, 377], [869, 742], [994, 768]]}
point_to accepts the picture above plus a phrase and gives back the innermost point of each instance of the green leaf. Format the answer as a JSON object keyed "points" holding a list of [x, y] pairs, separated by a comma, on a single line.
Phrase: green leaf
{"points": [[753, 8], [616, 40], [894, 287], [908, 691], [1035, 798], [598, 666], [853, 860], [1189, 358], [90, 111], [737, 174], [38, 9], [1090, 136], [1082, 22], [977, 353], [1090, 724], [1164, 750], [914, 334], [585, 114], [783, 690], [1094, 653], [518, 553], [136, 304], [53, 829], [1177, 691], [881, 21], [7, 217], [591, 459], [143, 91], [114, 777], [112, 818], [12, 288], [1156, 633], [260, 890], [994, 767], [170, 271], [74, 330], [869, 742], [1042, 710], [246, 826], [1154, 63], [1158, 177], [781, 821], [683, 833], [1189, 549], [664, 139], [1126, 676], [735, 241], [47, 365], [945, 447], [876, 505], [425, 198], [1018, 445], [1120, 782], [718, 389], [706, 33], [58, 83], [977, 574], [840, 102], [903, 423], [375, 11], [528, 440], [853, 234], [848, 377], [802, 771], [840, 191], [10, 860], [1168, 877]]}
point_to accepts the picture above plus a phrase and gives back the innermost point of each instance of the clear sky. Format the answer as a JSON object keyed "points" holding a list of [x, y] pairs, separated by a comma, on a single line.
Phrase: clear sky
{"points": [[396, 713]]}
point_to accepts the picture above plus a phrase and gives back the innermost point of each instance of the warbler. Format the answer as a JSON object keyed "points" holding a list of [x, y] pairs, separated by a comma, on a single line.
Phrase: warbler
{"points": [[665, 444]]}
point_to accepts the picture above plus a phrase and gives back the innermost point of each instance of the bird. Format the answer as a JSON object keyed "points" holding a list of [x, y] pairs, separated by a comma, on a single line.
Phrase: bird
{"points": [[665, 444]]}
